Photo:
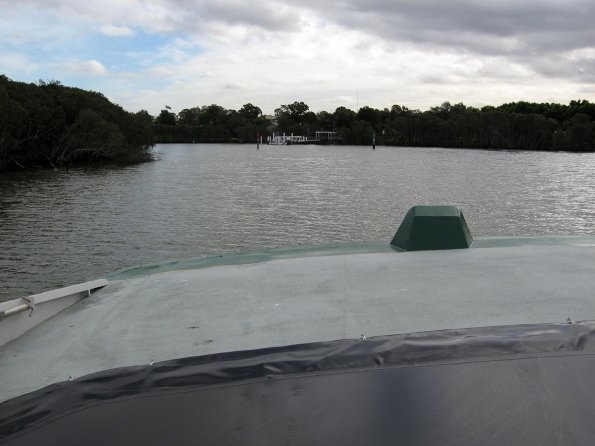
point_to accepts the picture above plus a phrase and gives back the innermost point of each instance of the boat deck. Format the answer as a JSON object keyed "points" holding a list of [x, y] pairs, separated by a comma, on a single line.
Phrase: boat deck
{"points": [[297, 296]]}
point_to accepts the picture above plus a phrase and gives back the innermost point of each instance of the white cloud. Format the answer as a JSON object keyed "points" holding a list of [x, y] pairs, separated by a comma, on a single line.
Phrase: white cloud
{"points": [[17, 62], [92, 67], [116, 31], [417, 53], [234, 86]]}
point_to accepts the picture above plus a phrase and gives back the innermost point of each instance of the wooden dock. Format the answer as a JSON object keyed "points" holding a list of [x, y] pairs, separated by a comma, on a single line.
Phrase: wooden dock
{"points": [[321, 137]]}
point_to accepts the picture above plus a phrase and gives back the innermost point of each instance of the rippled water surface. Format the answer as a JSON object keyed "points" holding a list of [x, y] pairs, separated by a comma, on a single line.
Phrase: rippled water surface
{"points": [[58, 228]]}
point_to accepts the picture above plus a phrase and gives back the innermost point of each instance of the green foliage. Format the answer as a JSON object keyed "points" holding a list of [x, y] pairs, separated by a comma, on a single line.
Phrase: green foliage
{"points": [[291, 118], [344, 117], [50, 124], [166, 118], [188, 116], [295, 111], [518, 125], [250, 112], [522, 125], [212, 124]]}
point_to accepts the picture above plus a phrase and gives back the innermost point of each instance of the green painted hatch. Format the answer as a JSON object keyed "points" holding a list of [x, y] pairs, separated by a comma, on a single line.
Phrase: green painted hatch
{"points": [[427, 228]]}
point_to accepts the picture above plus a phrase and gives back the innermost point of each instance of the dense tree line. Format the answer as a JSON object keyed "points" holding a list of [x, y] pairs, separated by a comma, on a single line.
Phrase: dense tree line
{"points": [[48, 124], [518, 125], [211, 124]]}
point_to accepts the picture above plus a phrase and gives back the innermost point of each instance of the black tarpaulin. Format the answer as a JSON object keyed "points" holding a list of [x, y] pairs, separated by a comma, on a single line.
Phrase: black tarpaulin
{"points": [[527, 384]]}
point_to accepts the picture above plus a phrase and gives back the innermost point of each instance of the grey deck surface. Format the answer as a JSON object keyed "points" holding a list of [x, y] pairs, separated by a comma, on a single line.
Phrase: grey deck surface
{"points": [[303, 299]]}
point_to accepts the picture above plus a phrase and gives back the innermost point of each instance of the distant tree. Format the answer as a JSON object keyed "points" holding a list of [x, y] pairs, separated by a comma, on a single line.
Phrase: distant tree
{"points": [[580, 132], [369, 114], [326, 121], [212, 114], [442, 110], [310, 118], [516, 125], [298, 110], [189, 116], [294, 111], [582, 106], [344, 117], [250, 112], [290, 117], [558, 112], [166, 118], [459, 109], [54, 82], [50, 124], [144, 116]]}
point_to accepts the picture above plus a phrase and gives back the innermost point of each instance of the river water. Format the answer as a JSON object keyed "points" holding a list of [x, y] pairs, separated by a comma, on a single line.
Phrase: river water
{"points": [[63, 227]]}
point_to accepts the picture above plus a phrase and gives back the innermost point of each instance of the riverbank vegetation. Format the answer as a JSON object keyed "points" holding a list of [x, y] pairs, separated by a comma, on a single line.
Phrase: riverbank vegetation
{"points": [[517, 125], [48, 124]]}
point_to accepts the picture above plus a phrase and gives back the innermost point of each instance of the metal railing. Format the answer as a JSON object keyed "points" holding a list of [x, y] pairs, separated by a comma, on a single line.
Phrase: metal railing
{"points": [[14, 321]]}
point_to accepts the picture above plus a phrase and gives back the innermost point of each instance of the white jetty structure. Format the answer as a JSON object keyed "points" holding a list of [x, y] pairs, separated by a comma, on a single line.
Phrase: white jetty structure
{"points": [[281, 139]]}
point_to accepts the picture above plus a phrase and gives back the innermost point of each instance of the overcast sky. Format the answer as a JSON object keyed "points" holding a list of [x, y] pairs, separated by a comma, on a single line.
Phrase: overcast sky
{"points": [[144, 54]]}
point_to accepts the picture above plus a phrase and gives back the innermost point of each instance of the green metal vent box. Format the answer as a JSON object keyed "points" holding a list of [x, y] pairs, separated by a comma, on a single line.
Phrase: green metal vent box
{"points": [[431, 228]]}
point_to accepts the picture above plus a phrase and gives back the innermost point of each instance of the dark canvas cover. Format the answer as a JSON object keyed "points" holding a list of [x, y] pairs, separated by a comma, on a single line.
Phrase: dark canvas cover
{"points": [[523, 384]]}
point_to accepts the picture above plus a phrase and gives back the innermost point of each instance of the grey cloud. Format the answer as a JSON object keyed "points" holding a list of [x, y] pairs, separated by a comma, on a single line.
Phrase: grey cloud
{"points": [[587, 90], [412, 19], [268, 15], [435, 79], [520, 30], [233, 86], [538, 34], [579, 69], [484, 26], [262, 14], [190, 16]]}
